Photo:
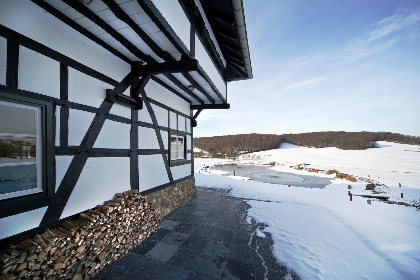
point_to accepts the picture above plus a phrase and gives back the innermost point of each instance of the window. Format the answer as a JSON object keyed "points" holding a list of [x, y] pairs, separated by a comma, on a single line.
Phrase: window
{"points": [[26, 153], [177, 147], [20, 139]]}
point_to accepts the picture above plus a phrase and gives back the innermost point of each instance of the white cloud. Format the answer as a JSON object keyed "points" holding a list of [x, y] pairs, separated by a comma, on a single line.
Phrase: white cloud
{"points": [[305, 83], [384, 34]]}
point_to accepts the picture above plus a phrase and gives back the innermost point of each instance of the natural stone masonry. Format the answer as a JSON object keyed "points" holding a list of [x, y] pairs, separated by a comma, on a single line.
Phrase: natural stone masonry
{"points": [[207, 238], [80, 249], [168, 199]]}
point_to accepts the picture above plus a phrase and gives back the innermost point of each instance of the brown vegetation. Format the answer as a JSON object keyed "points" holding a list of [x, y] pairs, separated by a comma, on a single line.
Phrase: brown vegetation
{"points": [[233, 145]]}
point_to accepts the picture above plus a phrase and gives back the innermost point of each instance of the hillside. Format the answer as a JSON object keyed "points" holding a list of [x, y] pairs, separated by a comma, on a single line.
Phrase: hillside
{"points": [[232, 145]]}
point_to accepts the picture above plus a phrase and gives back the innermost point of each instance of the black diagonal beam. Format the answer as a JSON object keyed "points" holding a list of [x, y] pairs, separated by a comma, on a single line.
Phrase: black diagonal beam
{"points": [[56, 208], [158, 135]]}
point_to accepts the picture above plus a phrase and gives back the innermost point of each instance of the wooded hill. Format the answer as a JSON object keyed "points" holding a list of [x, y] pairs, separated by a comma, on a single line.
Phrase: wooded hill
{"points": [[232, 145]]}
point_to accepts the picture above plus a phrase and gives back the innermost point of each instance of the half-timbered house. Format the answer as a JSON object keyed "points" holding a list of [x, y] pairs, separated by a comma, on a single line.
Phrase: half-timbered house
{"points": [[98, 97]]}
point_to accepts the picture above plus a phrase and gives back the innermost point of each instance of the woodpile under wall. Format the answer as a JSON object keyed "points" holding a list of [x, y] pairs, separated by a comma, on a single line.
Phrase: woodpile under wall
{"points": [[80, 249]]}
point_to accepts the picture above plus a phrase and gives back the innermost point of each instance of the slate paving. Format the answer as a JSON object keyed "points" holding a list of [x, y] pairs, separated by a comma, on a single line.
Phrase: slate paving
{"points": [[206, 238]]}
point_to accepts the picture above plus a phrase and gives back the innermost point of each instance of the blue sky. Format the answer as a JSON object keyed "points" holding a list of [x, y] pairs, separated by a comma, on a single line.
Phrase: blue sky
{"points": [[326, 65]]}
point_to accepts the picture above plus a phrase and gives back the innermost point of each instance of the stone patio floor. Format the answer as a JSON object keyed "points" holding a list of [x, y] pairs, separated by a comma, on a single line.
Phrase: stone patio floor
{"points": [[206, 238]]}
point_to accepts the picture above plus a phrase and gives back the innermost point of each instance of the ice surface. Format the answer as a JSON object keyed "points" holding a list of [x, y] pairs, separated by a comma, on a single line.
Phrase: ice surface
{"points": [[320, 233]]}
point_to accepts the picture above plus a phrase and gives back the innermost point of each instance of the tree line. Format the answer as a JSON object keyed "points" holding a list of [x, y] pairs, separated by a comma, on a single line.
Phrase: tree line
{"points": [[232, 145]]}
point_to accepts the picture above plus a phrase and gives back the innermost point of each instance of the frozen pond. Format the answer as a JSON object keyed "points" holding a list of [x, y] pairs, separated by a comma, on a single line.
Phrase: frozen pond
{"points": [[266, 174]]}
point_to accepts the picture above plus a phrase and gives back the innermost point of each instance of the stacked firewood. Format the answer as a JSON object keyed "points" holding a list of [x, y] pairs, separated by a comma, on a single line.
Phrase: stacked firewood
{"points": [[80, 249]]}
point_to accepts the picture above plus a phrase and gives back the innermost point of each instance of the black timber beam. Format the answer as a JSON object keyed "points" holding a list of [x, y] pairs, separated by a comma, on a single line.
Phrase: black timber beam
{"points": [[44, 5], [210, 106]]}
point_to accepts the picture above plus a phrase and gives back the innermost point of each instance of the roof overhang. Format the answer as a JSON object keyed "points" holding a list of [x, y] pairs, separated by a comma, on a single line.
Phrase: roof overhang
{"points": [[227, 23]]}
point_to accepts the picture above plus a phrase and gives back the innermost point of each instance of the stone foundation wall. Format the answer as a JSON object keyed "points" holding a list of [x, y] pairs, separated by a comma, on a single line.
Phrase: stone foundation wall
{"points": [[168, 199], [80, 249]]}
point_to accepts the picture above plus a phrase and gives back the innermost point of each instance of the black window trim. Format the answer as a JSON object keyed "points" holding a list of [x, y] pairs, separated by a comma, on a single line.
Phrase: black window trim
{"points": [[20, 204]]}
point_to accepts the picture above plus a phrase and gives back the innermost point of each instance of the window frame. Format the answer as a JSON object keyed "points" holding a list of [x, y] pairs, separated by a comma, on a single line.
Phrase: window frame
{"points": [[184, 150], [30, 201]]}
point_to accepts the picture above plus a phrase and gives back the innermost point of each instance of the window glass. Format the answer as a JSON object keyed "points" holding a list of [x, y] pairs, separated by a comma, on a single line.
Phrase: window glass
{"points": [[174, 148], [181, 147], [20, 144]]}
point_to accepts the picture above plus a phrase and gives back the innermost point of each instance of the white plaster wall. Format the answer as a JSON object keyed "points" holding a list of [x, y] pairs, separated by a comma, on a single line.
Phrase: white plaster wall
{"points": [[161, 94], [100, 179], [113, 135], [3, 59], [208, 66], [161, 115], [85, 89], [172, 120], [79, 122], [165, 139], [62, 163], [181, 171], [144, 115], [38, 73], [35, 23], [175, 16], [181, 123], [152, 172], [148, 139], [21, 222]]}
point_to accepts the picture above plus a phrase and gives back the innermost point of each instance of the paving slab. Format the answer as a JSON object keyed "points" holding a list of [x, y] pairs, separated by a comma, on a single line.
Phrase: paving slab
{"points": [[207, 238]]}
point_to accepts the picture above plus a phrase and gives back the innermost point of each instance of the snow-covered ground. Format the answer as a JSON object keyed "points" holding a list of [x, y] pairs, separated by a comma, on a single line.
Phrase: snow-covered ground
{"points": [[320, 233]]}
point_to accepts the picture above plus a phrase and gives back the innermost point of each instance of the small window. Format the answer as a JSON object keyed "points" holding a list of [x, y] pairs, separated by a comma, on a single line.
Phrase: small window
{"points": [[177, 147], [26, 153], [20, 145]]}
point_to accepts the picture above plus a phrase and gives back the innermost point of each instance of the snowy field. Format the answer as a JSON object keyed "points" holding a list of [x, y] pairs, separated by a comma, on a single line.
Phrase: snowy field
{"points": [[320, 233]]}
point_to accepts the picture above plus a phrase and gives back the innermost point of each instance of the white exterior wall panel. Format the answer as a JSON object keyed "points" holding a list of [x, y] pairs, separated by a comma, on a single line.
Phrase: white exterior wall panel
{"points": [[113, 135], [38, 73], [100, 179], [179, 172], [79, 122], [21, 222], [152, 172], [147, 138]]}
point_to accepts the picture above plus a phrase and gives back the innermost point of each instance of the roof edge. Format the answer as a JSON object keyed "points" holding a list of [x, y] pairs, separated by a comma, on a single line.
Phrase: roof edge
{"points": [[243, 36]]}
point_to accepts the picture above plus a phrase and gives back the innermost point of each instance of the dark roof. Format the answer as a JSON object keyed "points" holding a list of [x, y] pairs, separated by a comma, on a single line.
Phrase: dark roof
{"points": [[227, 20]]}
